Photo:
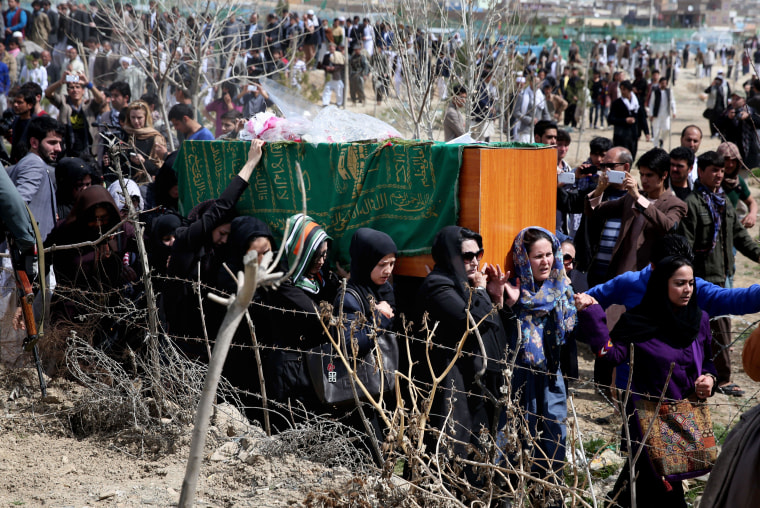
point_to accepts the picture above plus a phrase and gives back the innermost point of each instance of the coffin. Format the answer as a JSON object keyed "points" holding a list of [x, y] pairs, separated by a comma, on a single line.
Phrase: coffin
{"points": [[407, 189]]}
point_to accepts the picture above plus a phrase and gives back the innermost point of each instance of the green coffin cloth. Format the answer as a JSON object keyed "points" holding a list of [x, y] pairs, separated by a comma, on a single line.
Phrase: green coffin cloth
{"points": [[408, 190]]}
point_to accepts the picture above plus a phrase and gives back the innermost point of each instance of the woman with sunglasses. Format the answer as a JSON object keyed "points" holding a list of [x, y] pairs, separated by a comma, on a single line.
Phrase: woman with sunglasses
{"points": [[455, 286]]}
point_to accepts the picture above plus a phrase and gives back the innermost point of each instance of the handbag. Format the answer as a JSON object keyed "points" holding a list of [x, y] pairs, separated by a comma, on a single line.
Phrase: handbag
{"points": [[331, 379], [681, 444]]}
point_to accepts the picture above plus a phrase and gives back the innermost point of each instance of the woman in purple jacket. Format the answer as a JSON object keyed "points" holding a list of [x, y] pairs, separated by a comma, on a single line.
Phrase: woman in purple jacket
{"points": [[666, 328]]}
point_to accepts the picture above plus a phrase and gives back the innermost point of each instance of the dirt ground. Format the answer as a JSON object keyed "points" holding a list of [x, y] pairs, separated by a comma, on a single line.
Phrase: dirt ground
{"points": [[41, 466]]}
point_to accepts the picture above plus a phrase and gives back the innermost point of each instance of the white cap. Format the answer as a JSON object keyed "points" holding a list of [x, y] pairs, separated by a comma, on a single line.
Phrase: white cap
{"points": [[69, 47], [310, 12], [125, 59], [341, 18], [17, 35]]}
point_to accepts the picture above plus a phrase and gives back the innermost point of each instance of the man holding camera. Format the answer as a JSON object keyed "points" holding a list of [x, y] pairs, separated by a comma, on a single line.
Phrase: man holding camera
{"points": [[645, 215], [76, 113], [738, 124], [255, 100]]}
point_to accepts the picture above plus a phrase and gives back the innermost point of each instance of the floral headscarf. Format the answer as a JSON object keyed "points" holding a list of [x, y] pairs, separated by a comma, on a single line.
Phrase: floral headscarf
{"points": [[539, 302]]}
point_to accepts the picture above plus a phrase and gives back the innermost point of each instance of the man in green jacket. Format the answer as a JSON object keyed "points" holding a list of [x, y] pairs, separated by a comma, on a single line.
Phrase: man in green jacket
{"points": [[713, 230]]}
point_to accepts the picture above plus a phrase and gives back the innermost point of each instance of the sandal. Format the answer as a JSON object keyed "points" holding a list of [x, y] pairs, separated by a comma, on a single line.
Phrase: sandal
{"points": [[731, 389]]}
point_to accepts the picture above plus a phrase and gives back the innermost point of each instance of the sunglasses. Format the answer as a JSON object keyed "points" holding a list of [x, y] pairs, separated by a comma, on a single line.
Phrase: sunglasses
{"points": [[610, 165], [567, 258], [469, 256]]}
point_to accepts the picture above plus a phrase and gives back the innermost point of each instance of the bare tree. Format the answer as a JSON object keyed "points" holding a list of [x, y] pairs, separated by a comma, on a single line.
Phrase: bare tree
{"points": [[429, 40]]}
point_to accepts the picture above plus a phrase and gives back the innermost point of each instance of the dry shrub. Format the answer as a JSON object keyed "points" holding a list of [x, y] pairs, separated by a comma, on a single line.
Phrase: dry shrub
{"points": [[122, 400]]}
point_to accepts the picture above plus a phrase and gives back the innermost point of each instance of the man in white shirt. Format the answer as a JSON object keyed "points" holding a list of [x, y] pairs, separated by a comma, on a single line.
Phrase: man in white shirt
{"points": [[662, 106]]}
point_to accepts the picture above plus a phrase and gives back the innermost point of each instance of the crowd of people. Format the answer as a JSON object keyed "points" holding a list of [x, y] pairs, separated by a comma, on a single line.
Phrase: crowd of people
{"points": [[629, 262]]}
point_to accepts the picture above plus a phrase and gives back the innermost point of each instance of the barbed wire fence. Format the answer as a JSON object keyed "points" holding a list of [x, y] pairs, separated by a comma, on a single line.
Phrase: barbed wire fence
{"points": [[118, 400]]}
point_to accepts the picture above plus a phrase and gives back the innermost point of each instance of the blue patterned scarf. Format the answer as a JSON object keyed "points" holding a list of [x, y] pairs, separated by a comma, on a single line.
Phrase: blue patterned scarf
{"points": [[541, 304], [716, 202]]}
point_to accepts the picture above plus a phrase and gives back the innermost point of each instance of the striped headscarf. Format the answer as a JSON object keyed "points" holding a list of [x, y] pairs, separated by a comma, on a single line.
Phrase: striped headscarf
{"points": [[304, 238]]}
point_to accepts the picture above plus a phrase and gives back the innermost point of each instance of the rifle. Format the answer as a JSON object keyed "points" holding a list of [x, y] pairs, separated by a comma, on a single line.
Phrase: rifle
{"points": [[26, 297]]}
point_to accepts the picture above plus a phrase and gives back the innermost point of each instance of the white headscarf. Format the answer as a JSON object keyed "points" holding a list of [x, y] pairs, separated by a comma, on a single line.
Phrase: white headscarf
{"points": [[134, 190]]}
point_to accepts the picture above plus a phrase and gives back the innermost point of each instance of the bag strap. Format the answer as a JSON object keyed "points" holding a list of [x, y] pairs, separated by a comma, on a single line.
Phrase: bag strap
{"points": [[355, 294]]}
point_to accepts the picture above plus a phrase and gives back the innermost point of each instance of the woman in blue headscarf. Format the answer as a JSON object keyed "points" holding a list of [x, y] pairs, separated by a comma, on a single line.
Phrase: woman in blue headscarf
{"points": [[546, 314]]}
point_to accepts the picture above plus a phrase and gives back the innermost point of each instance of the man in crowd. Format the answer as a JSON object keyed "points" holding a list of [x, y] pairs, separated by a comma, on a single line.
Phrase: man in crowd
{"points": [[713, 230], [545, 132], [333, 64], [52, 68], [455, 122], [255, 99], [182, 118], [76, 113], [31, 175], [662, 106], [26, 105], [681, 161], [358, 69], [121, 96], [691, 138], [15, 20], [73, 63]]}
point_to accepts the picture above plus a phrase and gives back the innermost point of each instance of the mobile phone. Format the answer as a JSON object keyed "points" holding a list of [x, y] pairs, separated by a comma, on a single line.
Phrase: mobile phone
{"points": [[566, 178], [72, 78], [616, 176], [251, 88], [590, 170]]}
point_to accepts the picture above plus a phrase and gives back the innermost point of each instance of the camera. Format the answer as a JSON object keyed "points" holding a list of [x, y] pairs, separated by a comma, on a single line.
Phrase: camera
{"points": [[590, 170], [72, 78], [6, 121], [616, 176], [566, 178]]}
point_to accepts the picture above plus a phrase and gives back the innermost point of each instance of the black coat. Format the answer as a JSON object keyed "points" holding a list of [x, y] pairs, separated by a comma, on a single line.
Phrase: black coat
{"points": [[445, 298], [192, 245], [624, 134]]}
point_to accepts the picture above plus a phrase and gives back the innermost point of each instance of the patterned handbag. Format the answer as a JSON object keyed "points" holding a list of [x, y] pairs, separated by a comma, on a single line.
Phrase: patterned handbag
{"points": [[681, 443]]}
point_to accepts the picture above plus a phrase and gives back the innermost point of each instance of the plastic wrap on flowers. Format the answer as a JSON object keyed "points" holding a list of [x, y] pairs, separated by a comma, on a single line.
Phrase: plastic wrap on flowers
{"points": [[334, 125], [331, 125], [271, 128]]}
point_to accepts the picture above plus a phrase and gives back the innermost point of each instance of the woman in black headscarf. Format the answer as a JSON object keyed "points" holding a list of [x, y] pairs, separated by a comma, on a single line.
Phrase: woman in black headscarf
{"points": [[246, 234], [72, 176], [94, 271], [671, 339], [373, 256], [369, 299], [456, 284], [203, 242]]}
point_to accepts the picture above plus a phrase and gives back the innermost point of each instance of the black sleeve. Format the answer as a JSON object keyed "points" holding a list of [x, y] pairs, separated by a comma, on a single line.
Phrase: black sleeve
{"points": [[192, 237], [570, 200], [300, 329]]}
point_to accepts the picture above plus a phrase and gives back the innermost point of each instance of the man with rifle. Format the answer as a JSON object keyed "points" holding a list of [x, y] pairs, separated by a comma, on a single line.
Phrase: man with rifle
{"points": [[17, 227]]}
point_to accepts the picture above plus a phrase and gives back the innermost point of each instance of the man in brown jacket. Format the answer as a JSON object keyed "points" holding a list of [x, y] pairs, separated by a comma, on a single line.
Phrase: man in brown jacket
{"points": [[646, 215]]}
